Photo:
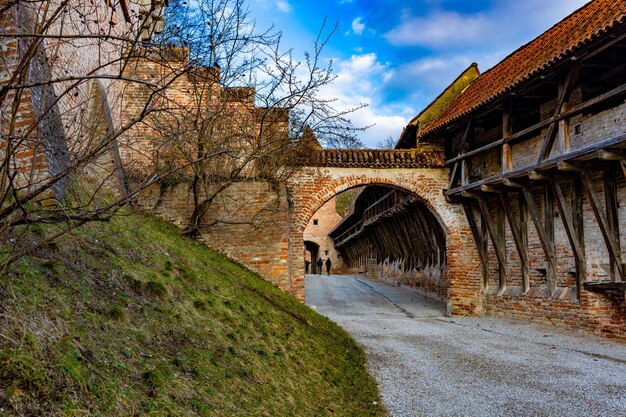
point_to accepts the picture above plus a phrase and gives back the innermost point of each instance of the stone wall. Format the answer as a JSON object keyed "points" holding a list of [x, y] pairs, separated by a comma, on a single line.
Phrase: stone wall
{"points": [[316, 231]]}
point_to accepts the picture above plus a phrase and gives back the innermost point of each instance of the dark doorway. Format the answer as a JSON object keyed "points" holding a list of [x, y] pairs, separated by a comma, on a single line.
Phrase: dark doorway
{"points": [[310, 260]]}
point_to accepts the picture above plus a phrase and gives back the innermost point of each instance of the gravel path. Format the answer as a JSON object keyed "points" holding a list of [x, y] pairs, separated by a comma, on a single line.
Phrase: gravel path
{"points": [[431, 365]]}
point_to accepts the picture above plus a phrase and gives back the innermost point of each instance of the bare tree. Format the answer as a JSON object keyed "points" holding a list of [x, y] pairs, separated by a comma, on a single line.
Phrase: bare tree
{"points": [[387, 143], [63, 69], [251, 101], [93, 111]]}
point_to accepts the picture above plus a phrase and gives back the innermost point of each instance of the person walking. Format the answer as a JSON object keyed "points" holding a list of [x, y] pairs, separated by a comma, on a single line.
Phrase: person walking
{"points": [[319, 266], [328, 264]]}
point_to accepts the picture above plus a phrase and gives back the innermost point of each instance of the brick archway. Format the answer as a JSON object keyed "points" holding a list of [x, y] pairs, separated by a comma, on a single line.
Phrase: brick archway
{"points": [[309, 188]]}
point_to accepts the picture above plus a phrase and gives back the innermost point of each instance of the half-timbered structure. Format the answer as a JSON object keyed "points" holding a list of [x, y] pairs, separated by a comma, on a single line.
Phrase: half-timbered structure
{"points": [[536, 150]]}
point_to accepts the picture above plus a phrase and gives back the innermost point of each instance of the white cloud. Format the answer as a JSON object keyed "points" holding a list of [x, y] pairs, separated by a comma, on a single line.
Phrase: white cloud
{"points": [[508, 23], [358, 26], [284, 6], [359, 81], [439, 28]]}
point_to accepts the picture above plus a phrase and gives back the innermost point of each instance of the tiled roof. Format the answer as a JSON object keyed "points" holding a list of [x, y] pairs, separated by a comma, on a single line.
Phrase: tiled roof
{"points": [[376, 158], [562, 40]]}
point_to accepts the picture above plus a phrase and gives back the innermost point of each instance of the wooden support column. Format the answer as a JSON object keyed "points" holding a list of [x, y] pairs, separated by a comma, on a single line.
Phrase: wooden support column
{"points": [[612, 245], [547, 242], [610, 199], [520, 235], [523, 229], [484, 241], [501, 231], [496, 238], [565, 88], [579, 228], [478, 240], [548, 222], [507, 153], [462, 149], [574, 234]]}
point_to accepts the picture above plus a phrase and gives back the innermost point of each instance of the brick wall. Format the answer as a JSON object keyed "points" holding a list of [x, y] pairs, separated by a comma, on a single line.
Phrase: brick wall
{"points": [[50, 125], [265, 246]]}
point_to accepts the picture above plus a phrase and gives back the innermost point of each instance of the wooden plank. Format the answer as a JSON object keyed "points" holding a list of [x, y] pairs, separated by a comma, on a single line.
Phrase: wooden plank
{"points": [[611, 205], [579, 227], [585, 153], [565, 88], [521, 240], [507, 130], [548, 224], [568, 220], [462, 150], [546, 243], [453, 175], [602, 221], [623, 165], [496, 240], [482, 253], [501, 231], [484, 236], [616, 92], [523, 222]]}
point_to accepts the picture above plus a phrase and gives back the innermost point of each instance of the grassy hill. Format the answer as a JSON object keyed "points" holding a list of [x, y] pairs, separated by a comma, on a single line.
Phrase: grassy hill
{"points": [[129, 318]]}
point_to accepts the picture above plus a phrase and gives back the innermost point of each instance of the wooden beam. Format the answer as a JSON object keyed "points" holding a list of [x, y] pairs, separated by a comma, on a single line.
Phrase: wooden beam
{"points": [[489, 189], [567, 167], [507, 130], [581, 153], [501, 231], [579, 228], [601, 218], [565, 88], [548, 224], [547, 243], [611, 205], [523, 229], [462, 149], [478, 240], [616, 92], [520, 239], [576, 243], [611, 155], [538, 176], [496, 240], [511, 184]]}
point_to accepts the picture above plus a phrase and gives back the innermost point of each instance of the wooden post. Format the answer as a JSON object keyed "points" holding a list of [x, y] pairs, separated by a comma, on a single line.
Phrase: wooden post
{"points": [[573, 236], [612, 245], [547, 243], [498, 243], [548, 221], [501, 231], [478, 240], [610, 198], [579, 228], [523, 229], [520, 236], [565, 88], [507, 129]]}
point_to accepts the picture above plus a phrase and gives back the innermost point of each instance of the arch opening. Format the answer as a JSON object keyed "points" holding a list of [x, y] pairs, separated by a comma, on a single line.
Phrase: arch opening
{"points": [[388, 233]]}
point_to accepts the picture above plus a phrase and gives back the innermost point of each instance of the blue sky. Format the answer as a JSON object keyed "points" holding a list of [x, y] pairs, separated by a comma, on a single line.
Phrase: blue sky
{"points": [[397, 55]]}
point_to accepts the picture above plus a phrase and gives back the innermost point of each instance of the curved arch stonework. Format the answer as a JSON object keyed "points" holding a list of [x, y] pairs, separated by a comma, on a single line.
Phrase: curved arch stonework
{"points": [[309, 188]]}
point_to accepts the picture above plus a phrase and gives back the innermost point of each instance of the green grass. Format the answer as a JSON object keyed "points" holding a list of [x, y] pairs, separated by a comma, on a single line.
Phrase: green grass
{"points": [[129, 318]]}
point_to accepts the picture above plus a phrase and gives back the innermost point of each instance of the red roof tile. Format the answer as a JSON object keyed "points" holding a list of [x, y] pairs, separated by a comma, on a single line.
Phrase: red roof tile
{"points": [[576, 30]]}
